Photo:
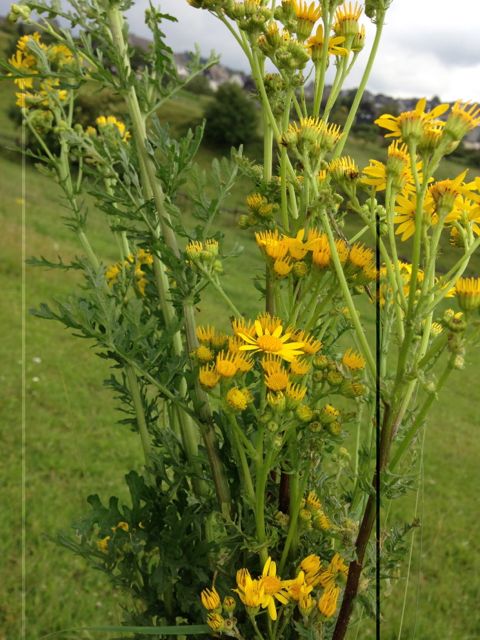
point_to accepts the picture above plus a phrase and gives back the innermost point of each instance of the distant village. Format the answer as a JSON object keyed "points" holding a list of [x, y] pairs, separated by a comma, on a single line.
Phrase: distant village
{"points": [[373, 104]]}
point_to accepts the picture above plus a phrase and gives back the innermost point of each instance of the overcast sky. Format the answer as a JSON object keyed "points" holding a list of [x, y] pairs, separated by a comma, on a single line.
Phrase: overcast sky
{"points": [[430, 47]]}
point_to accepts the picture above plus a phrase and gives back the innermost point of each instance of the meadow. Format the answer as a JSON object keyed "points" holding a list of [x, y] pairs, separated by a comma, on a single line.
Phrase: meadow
{"points": [[74, 446]]}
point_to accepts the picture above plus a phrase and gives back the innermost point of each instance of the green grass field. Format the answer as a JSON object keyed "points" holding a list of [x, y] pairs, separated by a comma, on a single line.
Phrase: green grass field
{"points": [[74, 446]]}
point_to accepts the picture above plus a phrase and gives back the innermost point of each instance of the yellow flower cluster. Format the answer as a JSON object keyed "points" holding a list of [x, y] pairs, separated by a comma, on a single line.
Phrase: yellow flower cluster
{"points": [[204, 254], [453, 201], [110, 125], [279, 357], [133, 265], [26, 62], [311, 135], [301, 253], [427, 131], [102, 544], [315, 591]]}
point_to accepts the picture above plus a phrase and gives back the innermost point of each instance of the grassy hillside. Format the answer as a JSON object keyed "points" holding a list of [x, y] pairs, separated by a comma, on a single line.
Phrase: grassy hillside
{"points": [[74, 446]]}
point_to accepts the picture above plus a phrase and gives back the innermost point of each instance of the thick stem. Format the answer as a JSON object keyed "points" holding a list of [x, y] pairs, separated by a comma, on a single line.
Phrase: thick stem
{"points": [[140, 413], [152, 186]]}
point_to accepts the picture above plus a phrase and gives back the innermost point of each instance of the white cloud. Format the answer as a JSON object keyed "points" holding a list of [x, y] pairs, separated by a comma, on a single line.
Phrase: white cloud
{"points": [[430, 47]]}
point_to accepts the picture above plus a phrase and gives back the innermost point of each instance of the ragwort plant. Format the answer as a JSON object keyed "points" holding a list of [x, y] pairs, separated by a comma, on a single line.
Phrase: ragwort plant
{"points": [[268, 447]]}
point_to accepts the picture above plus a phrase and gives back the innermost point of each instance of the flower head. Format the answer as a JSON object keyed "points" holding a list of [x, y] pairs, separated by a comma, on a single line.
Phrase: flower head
{"points": [[210, 599], [353, 360], [468, 293], [238, 399], [271, 342], [327, 605], [410, 125]]}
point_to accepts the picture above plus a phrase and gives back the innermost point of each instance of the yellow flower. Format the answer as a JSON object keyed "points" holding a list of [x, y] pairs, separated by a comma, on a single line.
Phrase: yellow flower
{"points": [[327, 605], [282, 266], [353, 360], [321, 258], [305, 11], [121, 525], [346, 19], [295, 393], [271, 364], [219, 340], [259, 205], [463, 118], [112, 273], [238, 399], [313, 502], [205, 334], [311, 566], [410, 125], [273, 588], [216, 622], [307, 15], [204, 353], [328, 414], [112, 121], [297, 588], [226, 365], [312, 132], [310, 344], [194, 250], [315, 45], [322, 521], [406, 213], [240, 325], [342, 250], [251, 592], [468, 293], [296, 247], [446, 192], [277, 380], [299, 367], [274, 246], [244, 362], [343, 168], [210, 599], [273, 342], [397, 169], [208, 376], [360, 256], [102, 544], [144, 257]]}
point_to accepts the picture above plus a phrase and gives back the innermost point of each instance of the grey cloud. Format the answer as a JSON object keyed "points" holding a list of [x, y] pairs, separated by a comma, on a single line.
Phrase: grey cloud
{"points": [[453, 49]]}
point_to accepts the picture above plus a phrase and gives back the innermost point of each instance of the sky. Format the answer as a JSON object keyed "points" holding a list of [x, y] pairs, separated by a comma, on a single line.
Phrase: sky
{"points": [[429, 47]]}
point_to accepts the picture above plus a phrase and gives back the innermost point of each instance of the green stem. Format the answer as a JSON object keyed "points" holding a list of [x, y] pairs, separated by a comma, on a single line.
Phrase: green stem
{"points": [[412, 432], [140, 413], [321, 67], [363, 84], [219, 289], [347, 295], [247, 476]]}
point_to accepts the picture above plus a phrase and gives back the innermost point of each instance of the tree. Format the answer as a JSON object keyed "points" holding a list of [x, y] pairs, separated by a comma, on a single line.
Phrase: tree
{"points": [[231, 117]]}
